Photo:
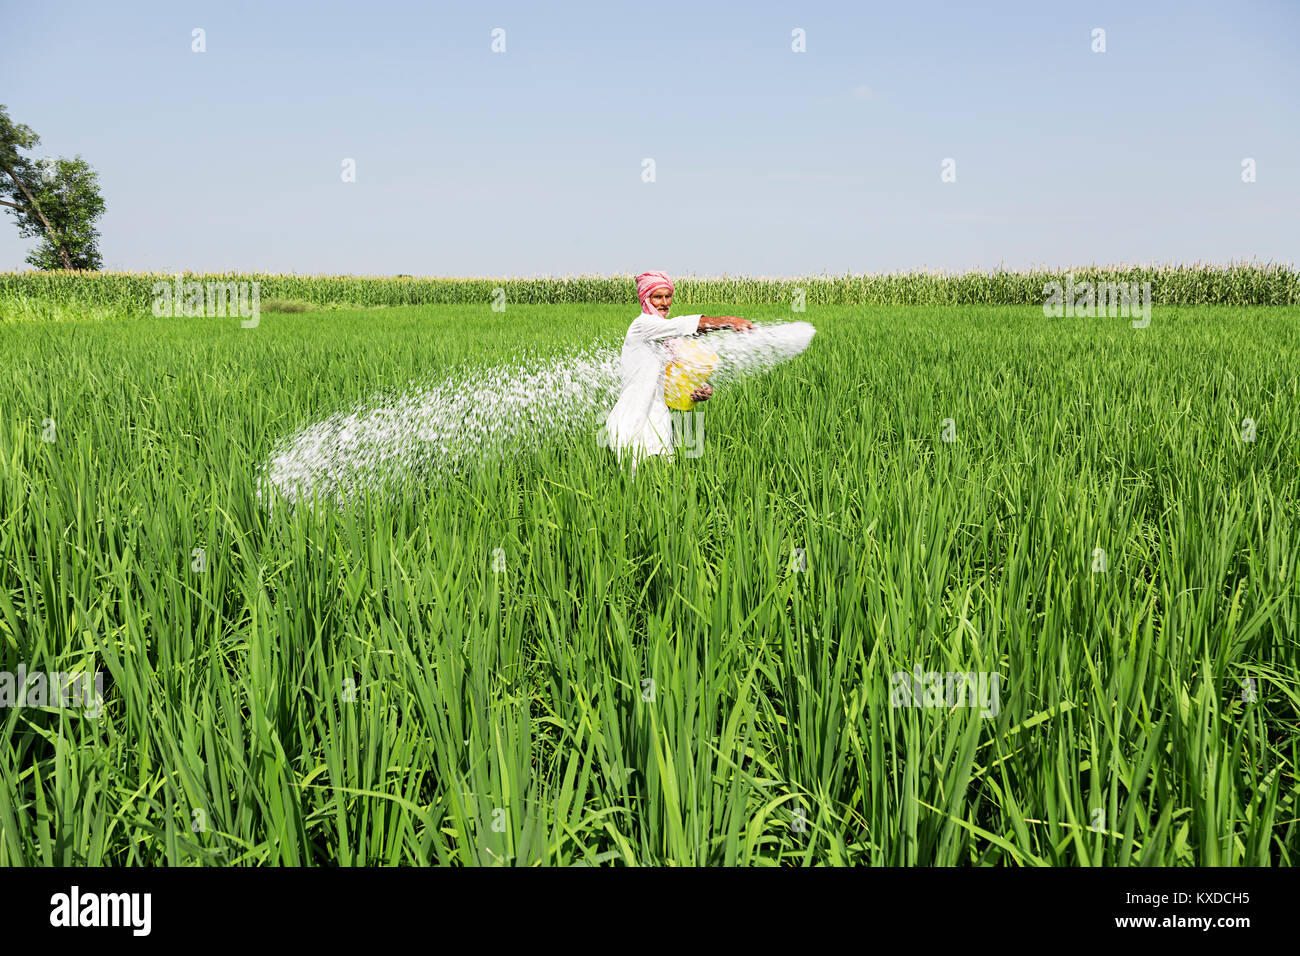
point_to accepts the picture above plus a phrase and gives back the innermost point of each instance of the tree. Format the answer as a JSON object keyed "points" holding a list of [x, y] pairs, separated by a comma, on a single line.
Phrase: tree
{"points": [[55, 200]]}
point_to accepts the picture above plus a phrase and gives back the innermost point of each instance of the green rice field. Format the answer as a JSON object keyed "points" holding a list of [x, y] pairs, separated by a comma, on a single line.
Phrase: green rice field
{"points": [[546, 661]]}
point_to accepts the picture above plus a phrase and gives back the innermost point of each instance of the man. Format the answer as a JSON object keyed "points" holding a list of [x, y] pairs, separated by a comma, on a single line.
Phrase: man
{"points": [[640, 424]]}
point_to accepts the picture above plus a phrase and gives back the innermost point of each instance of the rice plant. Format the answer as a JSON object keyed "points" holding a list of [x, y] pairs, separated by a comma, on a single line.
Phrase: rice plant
{"points": [[547, 661]]}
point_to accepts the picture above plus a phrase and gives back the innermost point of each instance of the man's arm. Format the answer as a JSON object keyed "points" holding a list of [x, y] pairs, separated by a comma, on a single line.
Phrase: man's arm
{"points": [[653, 330], [711, 323]]}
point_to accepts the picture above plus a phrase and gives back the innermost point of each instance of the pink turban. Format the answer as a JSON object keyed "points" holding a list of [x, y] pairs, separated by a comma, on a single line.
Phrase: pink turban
{"points": [[650, 282]]}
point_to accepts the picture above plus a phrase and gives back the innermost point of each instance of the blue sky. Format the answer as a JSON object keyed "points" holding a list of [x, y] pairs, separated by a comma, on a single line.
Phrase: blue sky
{"points": [[767, 161]]}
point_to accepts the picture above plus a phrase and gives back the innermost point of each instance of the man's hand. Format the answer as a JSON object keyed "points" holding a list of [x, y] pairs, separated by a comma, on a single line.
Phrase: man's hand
{"points": [[702, 393]]}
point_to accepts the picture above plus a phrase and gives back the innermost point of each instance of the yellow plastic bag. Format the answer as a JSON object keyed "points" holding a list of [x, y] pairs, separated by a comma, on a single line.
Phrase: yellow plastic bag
{"points": [[690, 367]]}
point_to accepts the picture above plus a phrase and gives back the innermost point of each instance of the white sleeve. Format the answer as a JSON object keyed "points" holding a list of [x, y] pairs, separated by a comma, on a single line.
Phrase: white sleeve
{"points": [[650, 329]]}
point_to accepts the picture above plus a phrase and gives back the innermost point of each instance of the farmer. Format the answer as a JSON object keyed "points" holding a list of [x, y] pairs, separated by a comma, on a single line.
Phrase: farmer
{"points": [[640, 424]]}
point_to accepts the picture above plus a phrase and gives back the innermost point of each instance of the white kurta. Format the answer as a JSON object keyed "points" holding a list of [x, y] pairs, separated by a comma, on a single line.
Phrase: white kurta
{"points": [[640, 424]]}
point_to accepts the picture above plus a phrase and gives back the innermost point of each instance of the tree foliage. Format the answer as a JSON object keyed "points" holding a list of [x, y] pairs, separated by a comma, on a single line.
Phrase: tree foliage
{"points": [[54, 200]]}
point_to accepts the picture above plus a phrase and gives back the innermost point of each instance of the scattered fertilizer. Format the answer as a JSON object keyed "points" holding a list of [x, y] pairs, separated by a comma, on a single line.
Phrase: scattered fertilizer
{"points": [[470, 416]]}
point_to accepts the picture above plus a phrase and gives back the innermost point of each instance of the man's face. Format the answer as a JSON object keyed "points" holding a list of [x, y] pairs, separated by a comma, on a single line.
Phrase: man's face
{"points": [[661, 300]]}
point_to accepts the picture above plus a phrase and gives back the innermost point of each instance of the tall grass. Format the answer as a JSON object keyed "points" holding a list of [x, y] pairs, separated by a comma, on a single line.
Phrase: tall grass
{"points": [[19, 307], [1192, 284], [652, 679]]}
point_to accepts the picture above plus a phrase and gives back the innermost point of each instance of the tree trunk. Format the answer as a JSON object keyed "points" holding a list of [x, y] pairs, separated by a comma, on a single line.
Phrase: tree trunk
{"points": [[54, 236]]}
